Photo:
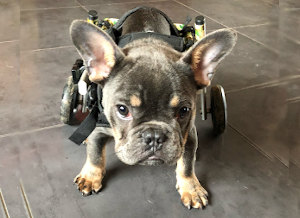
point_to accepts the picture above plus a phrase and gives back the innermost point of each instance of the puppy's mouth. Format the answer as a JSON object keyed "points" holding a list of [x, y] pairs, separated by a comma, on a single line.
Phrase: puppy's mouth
{"points": [[152, 160]]}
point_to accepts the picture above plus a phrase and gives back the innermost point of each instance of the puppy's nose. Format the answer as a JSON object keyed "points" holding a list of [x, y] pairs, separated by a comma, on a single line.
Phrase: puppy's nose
{"points": [[154, 139]]}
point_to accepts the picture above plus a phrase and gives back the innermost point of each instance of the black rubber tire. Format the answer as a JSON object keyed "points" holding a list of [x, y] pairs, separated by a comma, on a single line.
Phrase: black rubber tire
{"points": [[218, 109], [68, 102]]}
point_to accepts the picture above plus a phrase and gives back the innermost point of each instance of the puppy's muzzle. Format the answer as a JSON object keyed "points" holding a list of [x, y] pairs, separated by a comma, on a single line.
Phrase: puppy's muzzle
{"points": [[154, 139]]}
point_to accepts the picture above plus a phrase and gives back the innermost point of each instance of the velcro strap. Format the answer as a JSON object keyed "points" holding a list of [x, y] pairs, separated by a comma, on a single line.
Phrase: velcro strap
{"points": [[102, 121], [86, 127]]}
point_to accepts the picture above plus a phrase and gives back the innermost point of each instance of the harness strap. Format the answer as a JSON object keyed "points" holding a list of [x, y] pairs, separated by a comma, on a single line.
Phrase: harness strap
{"points": [[102, 120], [176, 42], [119, 24], [95, 118], [86, 127]]}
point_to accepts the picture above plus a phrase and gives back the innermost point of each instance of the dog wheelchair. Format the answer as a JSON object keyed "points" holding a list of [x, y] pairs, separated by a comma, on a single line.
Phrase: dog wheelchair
{"points": [[78, 102]]}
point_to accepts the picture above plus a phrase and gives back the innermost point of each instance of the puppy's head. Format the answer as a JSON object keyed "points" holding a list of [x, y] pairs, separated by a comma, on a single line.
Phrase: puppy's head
{"points": [[149, 89]]}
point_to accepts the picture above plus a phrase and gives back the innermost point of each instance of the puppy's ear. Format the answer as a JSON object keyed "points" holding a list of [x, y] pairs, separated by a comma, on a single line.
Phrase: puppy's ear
{"points": [[207, 53], [97, 49]]}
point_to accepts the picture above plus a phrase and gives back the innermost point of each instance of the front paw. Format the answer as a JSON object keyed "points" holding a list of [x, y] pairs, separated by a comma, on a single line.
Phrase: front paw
{"points": [[191, 192], [90, 179]]}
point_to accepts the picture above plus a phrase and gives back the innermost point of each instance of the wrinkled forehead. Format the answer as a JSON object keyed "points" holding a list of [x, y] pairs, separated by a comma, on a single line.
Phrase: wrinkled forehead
{"points": [[151, 86]]}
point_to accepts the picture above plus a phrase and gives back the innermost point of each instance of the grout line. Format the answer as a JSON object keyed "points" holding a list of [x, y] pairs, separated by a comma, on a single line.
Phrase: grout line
{"points": [[247, 139], [252, 25], [282, 161], [9, 41], [117, 3], [293, 100], [201, 13], [151, 1], [31, 131], [271, 49], [4, 204], [260, 43], [291, 9], [256, 146], [82, 6], [46, 49], [27, 206], [266, 84], [50, 8], [295, 162]]}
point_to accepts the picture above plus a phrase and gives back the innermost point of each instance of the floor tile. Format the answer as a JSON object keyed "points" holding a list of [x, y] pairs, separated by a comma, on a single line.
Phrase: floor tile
{"points": [[42, 4], [265, 117], [235, 13], [9, 20], [289, 24], [43, 76], [289, 56], [248, 64], [227, 166], [36, 159], [47, 28], [293, 124], [267, 34], [9, 87], [50, 175], [102, 2], [10, 176], [294, 175], [175, 11], [284, 60], [230, 153], [289, 4]]}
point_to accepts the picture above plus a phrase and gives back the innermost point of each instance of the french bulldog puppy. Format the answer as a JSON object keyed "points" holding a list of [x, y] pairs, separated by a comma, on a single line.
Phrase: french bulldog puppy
{"points": [[149, 99]]}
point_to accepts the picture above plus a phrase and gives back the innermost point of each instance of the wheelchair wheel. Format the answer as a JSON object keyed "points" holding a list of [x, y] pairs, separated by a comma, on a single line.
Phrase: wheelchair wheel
{"points": [[68, 102], [218, 109]]}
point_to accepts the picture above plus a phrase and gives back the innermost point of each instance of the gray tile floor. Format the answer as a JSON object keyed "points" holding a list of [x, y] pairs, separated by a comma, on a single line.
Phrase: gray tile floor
{"points": [[253, 170]]}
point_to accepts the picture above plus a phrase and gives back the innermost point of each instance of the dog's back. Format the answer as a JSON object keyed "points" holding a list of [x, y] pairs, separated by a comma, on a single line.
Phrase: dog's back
{"points": [[146, 20]]}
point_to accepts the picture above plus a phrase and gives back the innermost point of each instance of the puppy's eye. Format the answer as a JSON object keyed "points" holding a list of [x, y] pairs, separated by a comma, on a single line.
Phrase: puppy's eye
{"points": [[123, 112], [183, 112]]}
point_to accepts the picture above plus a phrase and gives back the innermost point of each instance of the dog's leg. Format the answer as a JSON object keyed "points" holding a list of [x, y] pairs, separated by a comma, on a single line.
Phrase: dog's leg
{"points": [[93, 171], [191, 192]]}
